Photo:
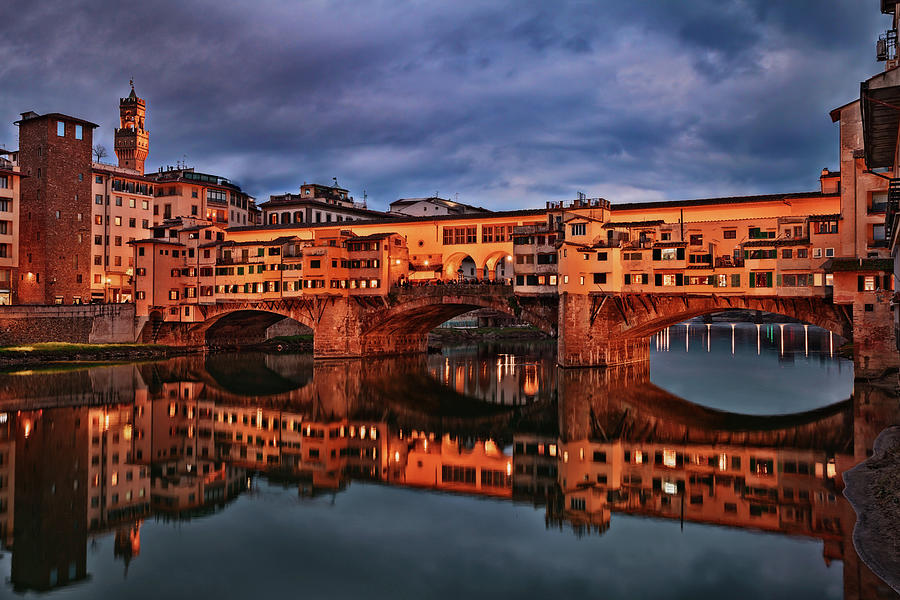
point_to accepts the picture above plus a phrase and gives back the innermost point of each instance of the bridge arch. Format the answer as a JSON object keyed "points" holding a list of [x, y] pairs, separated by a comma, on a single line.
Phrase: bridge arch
{"points": [[246, 322], [612, 329], [423, 309], [643, 315]]}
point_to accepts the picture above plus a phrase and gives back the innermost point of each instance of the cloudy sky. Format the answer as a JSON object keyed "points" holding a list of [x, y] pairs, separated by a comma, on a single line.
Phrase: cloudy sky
{"points": [[507, 104]]}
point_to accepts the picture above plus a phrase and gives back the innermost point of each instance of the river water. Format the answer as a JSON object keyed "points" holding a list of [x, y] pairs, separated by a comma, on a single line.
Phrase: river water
{"points": [[477, 472]]}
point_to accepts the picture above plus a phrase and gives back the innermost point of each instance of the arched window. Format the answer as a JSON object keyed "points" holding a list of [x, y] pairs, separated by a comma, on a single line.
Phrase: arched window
{"points": [[298, 216]]}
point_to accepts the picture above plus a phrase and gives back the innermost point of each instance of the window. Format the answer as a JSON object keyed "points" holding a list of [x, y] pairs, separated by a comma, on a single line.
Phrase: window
{"points": [[173, 294], [823, 227], [696, 240], [579, 229], [599, 278], [98, 199], [802, 253], [79, 132], [761, 279], [817, 253], [60, 129], [787, 253], [216, 196], [117, 220], [829, 252], [729, 234], [98, 179]]}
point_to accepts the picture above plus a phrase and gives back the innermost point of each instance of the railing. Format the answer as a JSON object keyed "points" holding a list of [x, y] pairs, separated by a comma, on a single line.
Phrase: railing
{"points": [[886, 46], [892, 207], [727, 262]]}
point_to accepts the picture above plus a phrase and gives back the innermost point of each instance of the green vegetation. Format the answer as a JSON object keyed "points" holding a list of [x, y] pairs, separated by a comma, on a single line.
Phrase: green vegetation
{"points": [[55, 349]]}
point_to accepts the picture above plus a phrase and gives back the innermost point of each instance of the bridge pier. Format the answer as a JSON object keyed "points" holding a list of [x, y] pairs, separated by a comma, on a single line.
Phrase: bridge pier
{"points": [[874, 340], [589, 336]]}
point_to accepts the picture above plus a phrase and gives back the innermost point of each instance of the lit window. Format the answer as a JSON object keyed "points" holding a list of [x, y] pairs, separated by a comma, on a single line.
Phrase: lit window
{"points": [[869, 283], [669, 458]]}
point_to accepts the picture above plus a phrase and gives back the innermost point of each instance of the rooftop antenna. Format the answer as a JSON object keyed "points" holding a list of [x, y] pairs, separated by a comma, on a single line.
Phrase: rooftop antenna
{"points": [[335, 181], [365, 197]]}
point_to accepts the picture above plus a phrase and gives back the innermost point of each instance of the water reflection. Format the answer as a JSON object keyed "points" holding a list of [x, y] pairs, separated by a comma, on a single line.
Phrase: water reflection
{"points": [[93, 452]]}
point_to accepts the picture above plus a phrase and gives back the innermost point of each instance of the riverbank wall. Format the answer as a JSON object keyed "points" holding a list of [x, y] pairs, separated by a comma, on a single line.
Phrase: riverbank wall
{"points": [[77, 324]]}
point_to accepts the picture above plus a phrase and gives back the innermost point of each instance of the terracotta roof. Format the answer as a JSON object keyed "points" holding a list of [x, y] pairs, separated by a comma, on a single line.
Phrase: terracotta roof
{"points": [[32, 116], [373, 236], [725, 200], [612, 224], [156, 241], [534, 212], [276, 242]]}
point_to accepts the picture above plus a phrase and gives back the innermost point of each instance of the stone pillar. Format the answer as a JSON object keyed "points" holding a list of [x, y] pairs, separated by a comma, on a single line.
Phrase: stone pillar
{"points": [[597, 344], [874, 340], [338, 331], [340, 334]]}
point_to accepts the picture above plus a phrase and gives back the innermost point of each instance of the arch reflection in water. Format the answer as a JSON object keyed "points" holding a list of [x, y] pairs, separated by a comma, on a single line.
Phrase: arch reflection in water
{"points": [[173, 441]]}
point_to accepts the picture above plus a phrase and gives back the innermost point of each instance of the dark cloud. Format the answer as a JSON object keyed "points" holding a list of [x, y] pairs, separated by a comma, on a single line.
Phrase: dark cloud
{"points": [[508, 104]]}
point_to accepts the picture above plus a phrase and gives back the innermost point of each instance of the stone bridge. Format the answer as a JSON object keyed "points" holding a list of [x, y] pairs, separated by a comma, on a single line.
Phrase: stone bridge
{"points": [[352, 326], [594, 330], [604, 329]]}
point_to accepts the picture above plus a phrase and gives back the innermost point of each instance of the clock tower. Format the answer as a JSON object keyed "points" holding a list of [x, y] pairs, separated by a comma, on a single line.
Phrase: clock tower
{"points": [[132, 140]]}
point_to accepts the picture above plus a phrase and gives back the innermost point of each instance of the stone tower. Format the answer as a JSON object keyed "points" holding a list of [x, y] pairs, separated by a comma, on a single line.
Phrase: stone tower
{"points": [[132, 140]]}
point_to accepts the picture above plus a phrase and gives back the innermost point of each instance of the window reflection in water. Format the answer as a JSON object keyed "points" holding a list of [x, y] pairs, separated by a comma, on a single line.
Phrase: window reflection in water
{"points": [[183, 438]]}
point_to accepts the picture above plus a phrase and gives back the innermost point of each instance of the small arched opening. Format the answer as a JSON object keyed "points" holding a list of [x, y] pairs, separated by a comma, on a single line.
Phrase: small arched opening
{"points": [[459, 266], [253, 327], [498, 266]]}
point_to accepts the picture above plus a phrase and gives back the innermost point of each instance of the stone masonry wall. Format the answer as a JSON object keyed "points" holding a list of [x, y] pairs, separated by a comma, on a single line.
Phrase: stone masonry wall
{"points": [[96, 324]]}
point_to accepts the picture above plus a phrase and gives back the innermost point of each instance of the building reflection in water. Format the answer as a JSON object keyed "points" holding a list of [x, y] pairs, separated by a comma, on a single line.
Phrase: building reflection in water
{"points": [[178, 440]]}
